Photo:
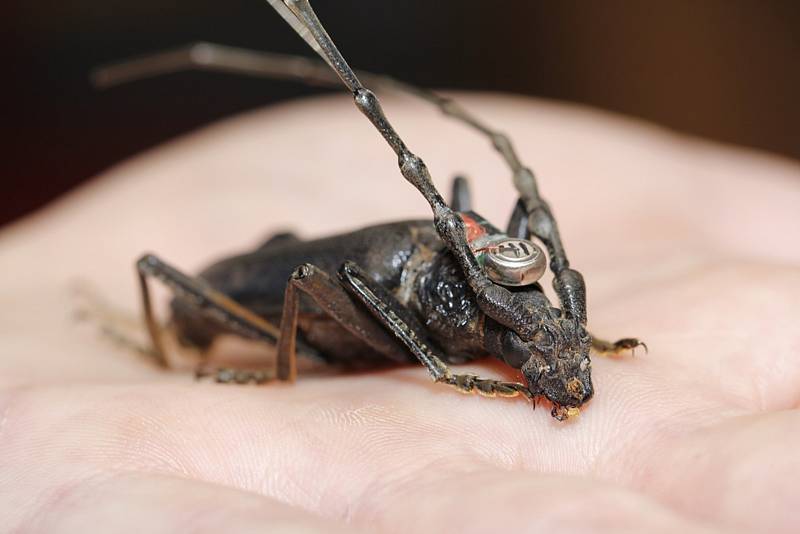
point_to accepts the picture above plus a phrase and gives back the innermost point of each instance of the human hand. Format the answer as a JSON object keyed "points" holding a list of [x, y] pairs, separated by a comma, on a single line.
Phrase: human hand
{"points": [[689, 246]]}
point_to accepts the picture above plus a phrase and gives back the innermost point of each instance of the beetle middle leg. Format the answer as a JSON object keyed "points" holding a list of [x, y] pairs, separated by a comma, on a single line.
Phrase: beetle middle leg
{"points": [[330, 296]]}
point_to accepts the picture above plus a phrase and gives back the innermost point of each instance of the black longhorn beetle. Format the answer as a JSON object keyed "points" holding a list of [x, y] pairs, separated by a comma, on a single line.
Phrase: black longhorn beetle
{"points": [[442, 293]]}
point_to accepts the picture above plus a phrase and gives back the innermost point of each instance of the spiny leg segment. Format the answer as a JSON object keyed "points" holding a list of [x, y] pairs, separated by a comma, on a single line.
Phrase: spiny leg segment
{"points": [[336, 303], [213, 304]]}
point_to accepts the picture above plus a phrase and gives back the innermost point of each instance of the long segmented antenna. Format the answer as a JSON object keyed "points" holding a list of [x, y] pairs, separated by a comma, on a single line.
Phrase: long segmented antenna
{"points": [[494, 300], [302, 30], [308, 26], [221, 58], [540, 220], [301, 17], [448, 224], [213, 57]]}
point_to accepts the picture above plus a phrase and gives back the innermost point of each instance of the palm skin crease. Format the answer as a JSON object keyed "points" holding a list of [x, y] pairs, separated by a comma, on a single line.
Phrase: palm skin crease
{"points": [[686, 245]]}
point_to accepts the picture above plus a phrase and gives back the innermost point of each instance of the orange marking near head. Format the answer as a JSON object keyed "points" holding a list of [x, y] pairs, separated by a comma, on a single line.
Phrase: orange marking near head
{"points": [[474, 229]]}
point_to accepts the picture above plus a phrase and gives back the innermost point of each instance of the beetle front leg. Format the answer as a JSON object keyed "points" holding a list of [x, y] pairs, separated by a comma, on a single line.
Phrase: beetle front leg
{"points": [[395, 317], [487, 387], [615, 348]]}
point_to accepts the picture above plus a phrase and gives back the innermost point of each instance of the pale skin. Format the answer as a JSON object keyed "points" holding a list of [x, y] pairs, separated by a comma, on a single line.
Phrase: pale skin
{"points": [[686, 245]]}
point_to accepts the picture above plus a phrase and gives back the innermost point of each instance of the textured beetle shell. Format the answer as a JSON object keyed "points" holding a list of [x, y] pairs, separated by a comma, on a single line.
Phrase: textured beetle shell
{"points": [[407, 258]]}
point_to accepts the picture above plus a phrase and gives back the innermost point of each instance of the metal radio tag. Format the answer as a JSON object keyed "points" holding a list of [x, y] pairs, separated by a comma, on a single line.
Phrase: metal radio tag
{"points": [[513, 262]]}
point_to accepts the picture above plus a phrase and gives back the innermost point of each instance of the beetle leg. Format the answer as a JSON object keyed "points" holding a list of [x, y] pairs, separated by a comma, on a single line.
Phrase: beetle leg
{"points": [[488, 387], [395, 317], [615, 348], [217, 305], [236, 376], [461, 199], [336, 303]]}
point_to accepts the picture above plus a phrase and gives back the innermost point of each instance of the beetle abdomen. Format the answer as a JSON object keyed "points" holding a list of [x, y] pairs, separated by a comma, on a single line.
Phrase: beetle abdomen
{"points": [[257, 280]]}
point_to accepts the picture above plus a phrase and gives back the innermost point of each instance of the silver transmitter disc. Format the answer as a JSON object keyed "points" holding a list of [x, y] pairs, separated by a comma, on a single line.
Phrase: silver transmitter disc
{"points": [[514, 262]]}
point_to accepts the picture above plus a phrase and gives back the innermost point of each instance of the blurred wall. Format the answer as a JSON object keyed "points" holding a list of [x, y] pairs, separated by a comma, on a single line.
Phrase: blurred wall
{"points": [[728, 70]]}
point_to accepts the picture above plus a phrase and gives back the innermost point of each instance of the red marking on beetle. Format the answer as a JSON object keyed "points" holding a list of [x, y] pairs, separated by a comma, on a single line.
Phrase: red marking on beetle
{"points": [[474, 228]]}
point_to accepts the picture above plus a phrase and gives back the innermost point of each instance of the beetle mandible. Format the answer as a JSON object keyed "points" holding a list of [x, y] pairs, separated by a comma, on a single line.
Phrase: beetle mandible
{"points": [[441, 292]]}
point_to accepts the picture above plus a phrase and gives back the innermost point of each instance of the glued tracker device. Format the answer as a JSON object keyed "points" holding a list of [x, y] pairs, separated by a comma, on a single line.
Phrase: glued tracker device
{"points": [[508, 261]]}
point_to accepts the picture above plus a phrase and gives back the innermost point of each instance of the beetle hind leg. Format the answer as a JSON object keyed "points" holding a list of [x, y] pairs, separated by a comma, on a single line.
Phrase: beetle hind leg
{"points": [[227, 375], [307, 279], [197, 293]]}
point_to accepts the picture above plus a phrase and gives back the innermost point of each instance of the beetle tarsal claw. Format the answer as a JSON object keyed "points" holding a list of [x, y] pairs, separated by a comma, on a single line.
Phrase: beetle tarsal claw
{"points": [[616, 348]]}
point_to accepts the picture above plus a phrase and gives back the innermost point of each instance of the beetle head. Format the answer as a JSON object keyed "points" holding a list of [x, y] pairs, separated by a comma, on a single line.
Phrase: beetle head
{"points": [[555, 358], [559, 367]]}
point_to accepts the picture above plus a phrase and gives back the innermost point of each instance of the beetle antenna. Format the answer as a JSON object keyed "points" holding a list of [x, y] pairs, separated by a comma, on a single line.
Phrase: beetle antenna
{"points": [[533, 209], [212, 57]]}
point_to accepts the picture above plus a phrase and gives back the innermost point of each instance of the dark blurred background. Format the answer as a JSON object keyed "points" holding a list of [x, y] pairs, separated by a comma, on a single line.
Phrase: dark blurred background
{"points": [[724, 69]]}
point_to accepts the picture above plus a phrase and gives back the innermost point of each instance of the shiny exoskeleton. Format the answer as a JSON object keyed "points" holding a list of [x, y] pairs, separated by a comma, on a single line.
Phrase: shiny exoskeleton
{"points": [[406, 258], [438, 292]]}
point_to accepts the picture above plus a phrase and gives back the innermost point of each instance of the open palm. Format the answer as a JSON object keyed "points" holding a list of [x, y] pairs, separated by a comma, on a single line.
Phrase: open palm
{"points": [[688, 246]]}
